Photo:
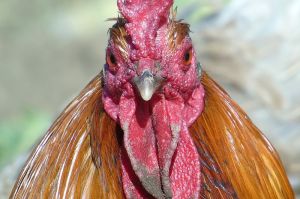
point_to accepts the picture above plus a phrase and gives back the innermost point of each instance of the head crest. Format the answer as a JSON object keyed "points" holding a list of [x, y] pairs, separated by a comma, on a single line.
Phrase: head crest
{"points": [[144, 18]]}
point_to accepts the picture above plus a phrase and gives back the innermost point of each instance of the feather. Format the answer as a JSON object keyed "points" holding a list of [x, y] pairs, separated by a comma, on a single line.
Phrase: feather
{"points": [[79, 155], [65, 163], [245, 159]]}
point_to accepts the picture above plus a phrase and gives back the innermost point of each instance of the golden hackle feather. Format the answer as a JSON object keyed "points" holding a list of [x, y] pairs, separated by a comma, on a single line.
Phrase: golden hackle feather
{"points": [[62, 165], [246, 159], [79, 155], [119, 35], [214, 184], [177, 31]]}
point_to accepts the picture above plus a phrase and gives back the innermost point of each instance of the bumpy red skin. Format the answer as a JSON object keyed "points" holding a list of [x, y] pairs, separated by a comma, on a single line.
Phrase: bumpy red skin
{"points": [[158, 157]]}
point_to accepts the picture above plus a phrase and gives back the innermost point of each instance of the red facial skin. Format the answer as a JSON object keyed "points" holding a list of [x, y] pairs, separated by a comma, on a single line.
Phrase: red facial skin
{"points": [[158, 156]]}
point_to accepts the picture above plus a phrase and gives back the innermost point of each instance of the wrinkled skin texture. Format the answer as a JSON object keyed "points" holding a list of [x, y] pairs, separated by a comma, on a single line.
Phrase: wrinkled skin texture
{"points": [[158, 150]]}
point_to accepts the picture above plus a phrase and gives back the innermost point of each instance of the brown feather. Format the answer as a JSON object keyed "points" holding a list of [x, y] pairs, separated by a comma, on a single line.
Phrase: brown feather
{"points": [[177, 31], [79, 155], [245, 157], [62, 166], [119, 36], [214, 183]]}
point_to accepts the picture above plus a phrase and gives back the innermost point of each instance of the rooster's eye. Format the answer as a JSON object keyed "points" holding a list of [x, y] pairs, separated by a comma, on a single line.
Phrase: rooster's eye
{"points": [[187, 59], [111, 61]]}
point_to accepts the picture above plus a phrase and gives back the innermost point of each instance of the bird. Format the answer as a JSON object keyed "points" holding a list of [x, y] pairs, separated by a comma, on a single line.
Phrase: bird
{"points": [[152, 124]]}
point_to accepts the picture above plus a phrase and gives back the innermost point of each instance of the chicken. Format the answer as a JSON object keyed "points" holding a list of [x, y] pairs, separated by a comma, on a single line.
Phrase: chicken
{"points": [[152, 124]]}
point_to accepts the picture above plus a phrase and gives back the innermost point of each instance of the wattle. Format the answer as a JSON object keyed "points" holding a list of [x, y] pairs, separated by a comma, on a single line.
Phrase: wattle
{"points": [[159, 157]]}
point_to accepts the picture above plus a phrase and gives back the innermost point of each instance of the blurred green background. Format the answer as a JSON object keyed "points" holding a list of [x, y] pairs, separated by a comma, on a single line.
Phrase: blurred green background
{"points": [[49, 50]]}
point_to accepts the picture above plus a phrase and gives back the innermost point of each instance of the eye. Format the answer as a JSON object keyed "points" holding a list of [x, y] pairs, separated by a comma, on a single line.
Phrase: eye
{"points": [[111, 61], [187, 59], [188, 56]]}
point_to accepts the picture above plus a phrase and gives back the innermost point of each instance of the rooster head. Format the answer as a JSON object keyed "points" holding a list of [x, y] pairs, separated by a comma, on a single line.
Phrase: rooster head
{"points": [[152, 89]]}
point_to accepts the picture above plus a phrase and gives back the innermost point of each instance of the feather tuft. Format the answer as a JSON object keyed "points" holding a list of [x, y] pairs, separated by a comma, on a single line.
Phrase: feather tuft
{"points": [[246, 158]]}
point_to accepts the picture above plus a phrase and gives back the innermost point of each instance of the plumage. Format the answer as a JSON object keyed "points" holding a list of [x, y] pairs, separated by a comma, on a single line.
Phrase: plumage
{"points": [[241, 151], [188, 139], [84, 130], [63, 164]]}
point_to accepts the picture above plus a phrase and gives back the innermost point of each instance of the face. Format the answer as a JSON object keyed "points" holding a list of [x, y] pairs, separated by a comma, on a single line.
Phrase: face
{"points": [[170, 69], [152, 89]]}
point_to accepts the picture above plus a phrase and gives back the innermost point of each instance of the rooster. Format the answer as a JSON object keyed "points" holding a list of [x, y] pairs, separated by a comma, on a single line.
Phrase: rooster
{"points": [[152, 124]]}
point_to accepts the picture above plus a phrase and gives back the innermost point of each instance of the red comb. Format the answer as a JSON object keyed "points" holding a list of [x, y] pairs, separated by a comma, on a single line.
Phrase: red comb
{"points": [[144, 18]]}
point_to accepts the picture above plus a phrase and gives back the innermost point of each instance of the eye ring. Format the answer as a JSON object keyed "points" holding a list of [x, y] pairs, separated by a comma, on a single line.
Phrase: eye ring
{"points": [[111, 61]]}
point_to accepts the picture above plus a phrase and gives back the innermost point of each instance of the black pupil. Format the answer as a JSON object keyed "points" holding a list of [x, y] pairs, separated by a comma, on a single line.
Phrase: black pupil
{"points": [[187, 56], [112, 59]]}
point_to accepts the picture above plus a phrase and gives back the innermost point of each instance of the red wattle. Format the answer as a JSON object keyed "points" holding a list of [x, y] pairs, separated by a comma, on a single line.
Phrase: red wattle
{"points": [[159, 156], [167, 124], [185, 171], [139, 143]]}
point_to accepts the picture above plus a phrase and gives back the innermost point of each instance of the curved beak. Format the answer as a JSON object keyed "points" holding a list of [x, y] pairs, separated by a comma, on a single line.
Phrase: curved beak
{"points": [[147, 84]]}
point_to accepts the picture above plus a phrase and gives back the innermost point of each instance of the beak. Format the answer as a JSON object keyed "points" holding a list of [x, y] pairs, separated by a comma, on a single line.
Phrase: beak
{"points": [[147, 84]]}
